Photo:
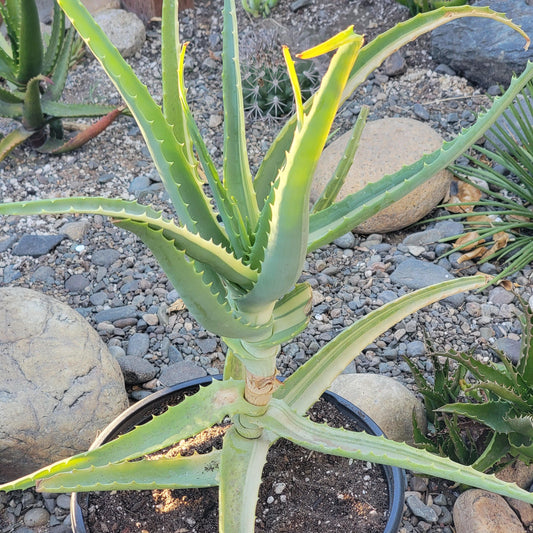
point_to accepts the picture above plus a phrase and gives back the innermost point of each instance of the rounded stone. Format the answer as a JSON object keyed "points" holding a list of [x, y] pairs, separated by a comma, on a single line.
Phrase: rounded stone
{"points": [[37, 516], [385, 400], [124, 29], [479, 511], [59, 386], [387, 145]]}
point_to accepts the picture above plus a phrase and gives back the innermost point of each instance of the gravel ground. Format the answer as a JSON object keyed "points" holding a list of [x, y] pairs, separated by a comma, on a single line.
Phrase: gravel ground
{"points": [[96, 266]]}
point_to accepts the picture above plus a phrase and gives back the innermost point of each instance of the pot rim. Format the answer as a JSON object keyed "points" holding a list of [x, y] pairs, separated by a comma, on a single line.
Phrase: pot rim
{"points": [[394, 476]]}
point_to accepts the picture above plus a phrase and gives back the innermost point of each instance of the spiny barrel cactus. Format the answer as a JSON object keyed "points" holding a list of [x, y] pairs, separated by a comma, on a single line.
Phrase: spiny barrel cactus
{"points": [[267, 89]]}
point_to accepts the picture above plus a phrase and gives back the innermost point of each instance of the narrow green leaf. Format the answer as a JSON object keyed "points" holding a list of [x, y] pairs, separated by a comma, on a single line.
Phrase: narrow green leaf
{"points": [[30, 58], [63, 110], [304, 387], [9, 97], [236, 171], [33, 118], [491, 413], [241, 466], [497, 448], [12, 140], [61, 67], [194, 471], [170, 75], [57, 36], [329, 194], [179, 178], [288, 209], [288, 424]]}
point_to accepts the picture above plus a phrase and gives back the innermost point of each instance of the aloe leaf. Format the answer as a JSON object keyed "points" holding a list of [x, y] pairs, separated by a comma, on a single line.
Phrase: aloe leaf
{"points": [[8, 97], [214, 402], [30, 59], [521, 446], [525, 365], [329, 194], [236, 169], [33, 118], [240, 476], [288, 210], [371, 56], [304, 387], [497, 448], [87, 134], [61, 66], [119, 209], [14, 110], [57, 37], [491, 413], [503, 393], [12, 140], [231, 216], [199, 287], [482, 371], [288, 424], [192, 206], [194, 471], [170, 47], [343, 216], [62, 110], [291, 315]]}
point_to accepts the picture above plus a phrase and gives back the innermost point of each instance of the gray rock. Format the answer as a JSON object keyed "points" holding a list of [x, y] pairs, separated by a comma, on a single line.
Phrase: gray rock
{"points": [[174, 354], [499, 296], [421, 238], [416, 274], [138, 344], [416, 349], [116, 351], [36, 517], [63, 501], [208, 345], [395, 64], [76, 283], [6, 243], [11, 274], [179, 372], [105, 257], [420, 509], [421, 112], [387, 296], [510, 348], [37, 245], [485, 51], [346, 241], [449, 228], [44, 273], [76, 230], [125, 30], [136, 369], [98, 298], [116, 313], [139, 184], [60, 386]]}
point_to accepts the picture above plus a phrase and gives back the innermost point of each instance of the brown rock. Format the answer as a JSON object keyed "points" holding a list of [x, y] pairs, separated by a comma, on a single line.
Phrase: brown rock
{"points": [[94, 6], [518, 473], [523, 509], [479, 511], [385, 146]]}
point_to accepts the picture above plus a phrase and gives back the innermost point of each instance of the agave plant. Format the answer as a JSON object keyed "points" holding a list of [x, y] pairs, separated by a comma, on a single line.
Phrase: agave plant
{"points": [[35, 73], [421, 6], [507, 405], [259, 7], [499, 225], [449, 435], [235, 256]]}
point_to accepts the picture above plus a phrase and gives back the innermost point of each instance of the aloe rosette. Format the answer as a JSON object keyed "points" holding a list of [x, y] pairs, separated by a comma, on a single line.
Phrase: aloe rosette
{"points": [[35, 73], [235, 256]]}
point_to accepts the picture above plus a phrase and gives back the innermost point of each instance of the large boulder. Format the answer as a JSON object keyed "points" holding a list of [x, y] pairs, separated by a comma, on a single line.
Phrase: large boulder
{"points": [[485, 51], [386, 145], [389, 403], [59, 385], [124, 29]]}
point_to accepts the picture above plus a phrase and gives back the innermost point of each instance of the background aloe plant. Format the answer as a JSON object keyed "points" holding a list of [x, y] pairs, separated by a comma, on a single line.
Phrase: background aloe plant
{"points": [[421, 6], [259, 7], [35, 73], [239, 276]]}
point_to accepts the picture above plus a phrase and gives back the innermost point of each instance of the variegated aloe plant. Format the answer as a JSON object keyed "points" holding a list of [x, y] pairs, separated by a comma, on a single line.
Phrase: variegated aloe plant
{"points": [[235, 257], [35, 73]]}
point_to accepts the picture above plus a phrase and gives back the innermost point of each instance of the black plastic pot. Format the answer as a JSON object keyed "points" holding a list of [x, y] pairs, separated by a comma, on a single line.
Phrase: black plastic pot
{"points": [[142, 412]]}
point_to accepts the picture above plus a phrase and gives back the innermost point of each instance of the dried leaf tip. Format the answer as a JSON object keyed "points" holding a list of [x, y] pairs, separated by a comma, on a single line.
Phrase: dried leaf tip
{"points": [[344, 37]]}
